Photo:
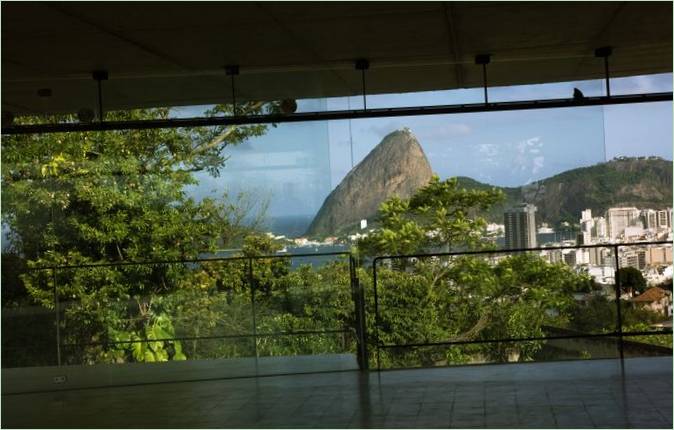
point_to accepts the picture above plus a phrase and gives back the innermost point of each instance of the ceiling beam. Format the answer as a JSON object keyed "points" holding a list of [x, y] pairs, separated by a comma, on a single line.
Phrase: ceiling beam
{"points": [[119, 35], [597, 41], [317, 58], [453, 41]]}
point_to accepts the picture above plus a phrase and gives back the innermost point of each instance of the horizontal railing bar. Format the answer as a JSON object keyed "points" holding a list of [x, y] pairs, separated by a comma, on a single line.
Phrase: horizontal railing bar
{"points": [[336, 115], [182, 261], [232, 336], [506, 251], [527, 339]]}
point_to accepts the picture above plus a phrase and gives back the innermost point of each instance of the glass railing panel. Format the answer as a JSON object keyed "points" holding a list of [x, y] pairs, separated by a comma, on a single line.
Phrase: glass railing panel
{"points": [[168, 312], [212, 310], [303, 307], [28, 326], [120, 313], [646, 292], [494, 300]]}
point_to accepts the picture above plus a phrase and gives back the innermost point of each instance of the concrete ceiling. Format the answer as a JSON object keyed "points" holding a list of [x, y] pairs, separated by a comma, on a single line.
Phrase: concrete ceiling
{"points": [[170, 54]]}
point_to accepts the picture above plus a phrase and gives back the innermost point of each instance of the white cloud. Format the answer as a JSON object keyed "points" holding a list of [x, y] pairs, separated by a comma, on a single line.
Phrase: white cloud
{"points": [[538, 163], [527, 158]]}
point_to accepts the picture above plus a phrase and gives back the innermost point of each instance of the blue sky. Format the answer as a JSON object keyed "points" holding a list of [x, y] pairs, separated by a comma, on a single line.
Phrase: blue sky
{"points": [[295, 166]]}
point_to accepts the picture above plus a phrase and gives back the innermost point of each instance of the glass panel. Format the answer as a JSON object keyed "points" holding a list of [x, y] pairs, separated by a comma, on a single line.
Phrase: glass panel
{"points": [[661, 82], [528, 70], [422, 98], [637, 131], [646, 287], [488, 297], [303, 307], [28, 326]]}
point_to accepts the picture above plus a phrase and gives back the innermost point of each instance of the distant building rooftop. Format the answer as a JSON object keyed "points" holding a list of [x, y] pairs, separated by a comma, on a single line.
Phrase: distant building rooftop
{"points": [[652, 294]]}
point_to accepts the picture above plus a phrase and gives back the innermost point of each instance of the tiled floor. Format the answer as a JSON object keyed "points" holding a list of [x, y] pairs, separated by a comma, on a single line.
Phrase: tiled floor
{"points": [[578, 394], [36, 379]]}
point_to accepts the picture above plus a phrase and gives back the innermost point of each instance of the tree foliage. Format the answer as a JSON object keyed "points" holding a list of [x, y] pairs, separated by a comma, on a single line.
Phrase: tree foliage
{"points": [[73, 199], [459, 298], [438, 216], [632, 279]]}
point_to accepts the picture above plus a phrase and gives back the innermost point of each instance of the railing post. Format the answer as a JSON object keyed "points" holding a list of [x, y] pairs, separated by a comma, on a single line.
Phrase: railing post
{"points": [[57, 311], [619, 321], [251, 283], [376, 310], [358, 297]]}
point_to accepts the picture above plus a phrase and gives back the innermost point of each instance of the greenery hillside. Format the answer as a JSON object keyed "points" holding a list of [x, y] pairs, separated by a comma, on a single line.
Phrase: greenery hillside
{"points": [[641, 182]]}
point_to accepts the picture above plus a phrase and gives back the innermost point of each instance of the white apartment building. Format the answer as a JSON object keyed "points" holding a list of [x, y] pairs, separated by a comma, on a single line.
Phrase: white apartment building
{"points": [[665, 219], [619, 219], [586, 215], [600, 228], [649, 218]]}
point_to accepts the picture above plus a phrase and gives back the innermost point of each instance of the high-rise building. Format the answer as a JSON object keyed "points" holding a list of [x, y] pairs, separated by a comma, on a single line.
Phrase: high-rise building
{"points": [[520, 226], [619, 219], [586, 222], [665, 218], [649, 218], [600, 256], [584, 238], [586, 215], [631, 259], [600, 228], [661, 255]]}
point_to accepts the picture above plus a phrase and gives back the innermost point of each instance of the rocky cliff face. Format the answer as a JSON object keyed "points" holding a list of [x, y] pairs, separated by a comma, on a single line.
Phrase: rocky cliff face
{"points": [[395, 167]]}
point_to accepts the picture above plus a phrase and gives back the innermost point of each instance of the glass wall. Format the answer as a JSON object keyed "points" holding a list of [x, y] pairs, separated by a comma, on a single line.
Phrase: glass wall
{"points": [[104, 234]]}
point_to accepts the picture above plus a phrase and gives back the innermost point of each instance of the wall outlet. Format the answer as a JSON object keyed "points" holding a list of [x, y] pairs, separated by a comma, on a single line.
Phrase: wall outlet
{"points": [[59, 379]]}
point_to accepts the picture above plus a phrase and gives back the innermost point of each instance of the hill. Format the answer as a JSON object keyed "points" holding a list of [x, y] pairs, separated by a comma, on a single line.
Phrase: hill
{"points": [[644, 182], [396, 166]]}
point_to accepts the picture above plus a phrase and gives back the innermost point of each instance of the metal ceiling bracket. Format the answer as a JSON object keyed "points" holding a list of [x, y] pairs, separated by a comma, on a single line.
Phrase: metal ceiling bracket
{"points": [[362, 65], [604, 52], [100, 76], [484, 59], [231, 71]]}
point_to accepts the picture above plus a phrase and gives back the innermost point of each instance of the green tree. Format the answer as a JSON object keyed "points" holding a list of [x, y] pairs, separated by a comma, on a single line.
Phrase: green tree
{"points": [[102, 197], [631, 279], [458, 298], [438, 216]]}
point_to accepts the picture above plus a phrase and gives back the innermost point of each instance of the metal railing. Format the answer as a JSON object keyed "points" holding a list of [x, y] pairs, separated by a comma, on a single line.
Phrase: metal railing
{"points": [[618, 333], [357, 330]]}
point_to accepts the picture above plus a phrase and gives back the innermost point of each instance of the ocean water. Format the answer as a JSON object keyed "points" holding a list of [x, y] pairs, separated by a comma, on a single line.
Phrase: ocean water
{"points": [[290, 226], [311, 254]]}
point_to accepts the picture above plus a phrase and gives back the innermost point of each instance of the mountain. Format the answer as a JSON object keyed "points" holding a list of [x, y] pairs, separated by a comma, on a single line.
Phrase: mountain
{"points": [[396, 166], [644, 182]]}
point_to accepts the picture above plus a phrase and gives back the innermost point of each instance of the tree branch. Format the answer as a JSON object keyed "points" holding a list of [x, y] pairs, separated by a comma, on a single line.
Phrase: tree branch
{"points": [[225, 134]]}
